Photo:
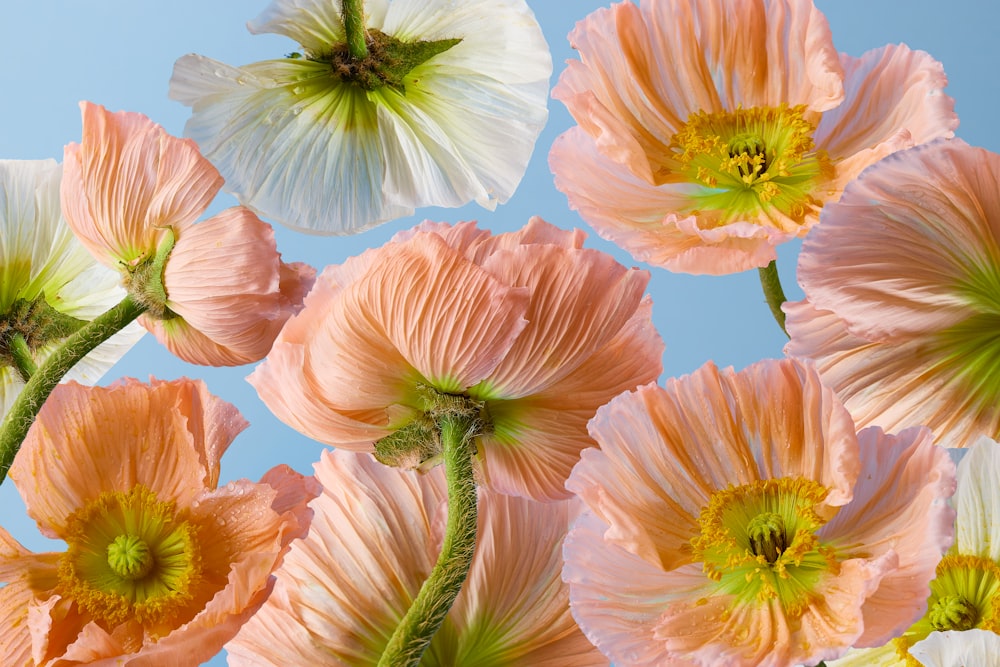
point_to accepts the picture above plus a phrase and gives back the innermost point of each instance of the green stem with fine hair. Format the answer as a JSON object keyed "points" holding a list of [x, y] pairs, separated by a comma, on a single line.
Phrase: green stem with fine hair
{"points": [[20, 353], [47, 376], [428, 611], [775, 296], [354, 26]]}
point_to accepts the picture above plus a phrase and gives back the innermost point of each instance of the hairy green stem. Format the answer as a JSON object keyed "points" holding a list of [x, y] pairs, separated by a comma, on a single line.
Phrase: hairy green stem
{"points": [[46, 377], [354, 26], [429, 609], [775, 296], [21, 355]]}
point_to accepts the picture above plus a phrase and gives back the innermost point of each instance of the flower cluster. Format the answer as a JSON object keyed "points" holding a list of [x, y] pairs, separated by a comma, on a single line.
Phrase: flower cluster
{"points": [[512, 482]]}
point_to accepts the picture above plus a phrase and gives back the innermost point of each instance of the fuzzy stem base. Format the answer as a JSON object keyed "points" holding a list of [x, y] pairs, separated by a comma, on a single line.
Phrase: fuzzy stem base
{"points": [[354, 27], [775, 296], [429, 609], [47, 376]]}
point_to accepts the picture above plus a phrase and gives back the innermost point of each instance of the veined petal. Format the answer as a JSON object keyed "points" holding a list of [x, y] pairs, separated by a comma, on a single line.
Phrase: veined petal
{"points": [[938, 244], [286, 132], [315, 24], [580, 299], [893, 384], [121, 452], [449, 321], [285, 136], [127, 180], [977, 501], [900, 505], [893, 100], [536, 440]]}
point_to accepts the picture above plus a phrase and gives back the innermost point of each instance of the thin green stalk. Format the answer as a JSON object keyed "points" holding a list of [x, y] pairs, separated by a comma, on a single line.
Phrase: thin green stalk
{"points": [[775, 296], [354, 26], [429, 609], [21, 355], [46, 377]]}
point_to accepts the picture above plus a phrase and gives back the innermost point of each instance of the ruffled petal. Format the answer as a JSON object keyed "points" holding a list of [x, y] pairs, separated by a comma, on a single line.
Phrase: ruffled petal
{"points": [[536, 440], [168, 436], [129, 179], [893, 100], [900, 506], [924, 258], [955, 648], [892, 385]]}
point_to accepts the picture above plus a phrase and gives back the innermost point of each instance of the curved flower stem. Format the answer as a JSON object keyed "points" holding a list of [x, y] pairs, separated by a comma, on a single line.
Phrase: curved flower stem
{"points": [[21, 355], [775, 296], [429, 609], [354, 26], [46, 377]]}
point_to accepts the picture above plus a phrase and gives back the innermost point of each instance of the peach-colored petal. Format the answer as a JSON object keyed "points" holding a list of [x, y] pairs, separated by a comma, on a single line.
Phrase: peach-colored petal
{"points": [[579, 300], [538, 439], [893, 100], [253, 293], [638, 216], [168, 437], [371, 545], [934, 234], [158, 445], [664, 451], [648, 73], [514, 599], [617, 597], [168, 184], [375, 537], [892, 385], [900, 506]]}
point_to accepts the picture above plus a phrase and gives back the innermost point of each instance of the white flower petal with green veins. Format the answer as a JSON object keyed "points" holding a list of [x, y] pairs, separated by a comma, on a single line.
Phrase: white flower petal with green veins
{"points": [[40, 257], [301, 145]]}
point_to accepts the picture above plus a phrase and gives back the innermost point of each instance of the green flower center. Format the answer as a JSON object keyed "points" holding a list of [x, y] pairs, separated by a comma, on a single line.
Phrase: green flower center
{"points": [[758, 541], [131, 556], [388, 62], [749, 162], [965, 594]]}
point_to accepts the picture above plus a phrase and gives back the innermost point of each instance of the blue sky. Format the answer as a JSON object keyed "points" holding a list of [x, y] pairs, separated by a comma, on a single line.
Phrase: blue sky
{"points": [[120, 53]]}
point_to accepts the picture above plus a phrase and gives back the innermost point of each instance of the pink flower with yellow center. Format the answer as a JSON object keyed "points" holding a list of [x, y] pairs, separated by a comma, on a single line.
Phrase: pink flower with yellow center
{"points": [[216, 292], [902, 303], [161, 566], [711, 131], [374, 538], [527, 328], [738, 519]]}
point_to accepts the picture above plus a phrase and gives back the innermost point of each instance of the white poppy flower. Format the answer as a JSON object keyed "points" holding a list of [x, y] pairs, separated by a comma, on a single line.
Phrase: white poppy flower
{"points": [[49, 284], [300, 141]]}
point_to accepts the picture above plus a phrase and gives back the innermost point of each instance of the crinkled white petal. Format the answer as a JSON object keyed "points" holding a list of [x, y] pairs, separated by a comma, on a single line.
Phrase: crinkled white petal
{"points": [[299, 146], [955, 648], [39, 255], [315, 24], [977, 501]]}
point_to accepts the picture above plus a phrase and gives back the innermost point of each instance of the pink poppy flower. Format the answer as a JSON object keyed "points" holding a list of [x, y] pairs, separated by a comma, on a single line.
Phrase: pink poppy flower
{"points": [[711, 131], [161, 566], [532, 329], [129, 191], [902, 305], [375, 536], [737, 519]]}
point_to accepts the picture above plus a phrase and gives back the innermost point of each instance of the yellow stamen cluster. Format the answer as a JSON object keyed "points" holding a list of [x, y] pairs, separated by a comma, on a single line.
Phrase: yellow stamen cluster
{"points": [[131, 557], [750, 161], [759, 542]]}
